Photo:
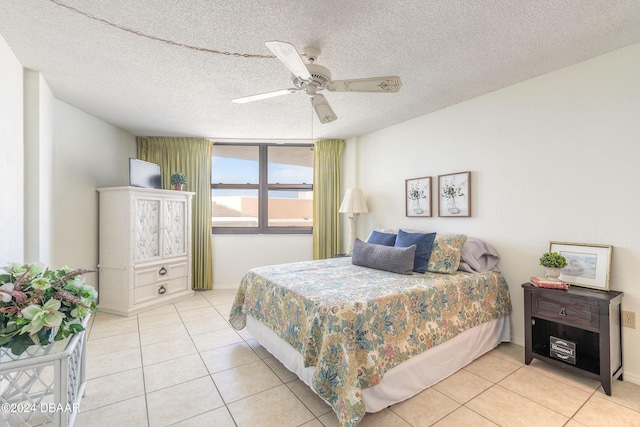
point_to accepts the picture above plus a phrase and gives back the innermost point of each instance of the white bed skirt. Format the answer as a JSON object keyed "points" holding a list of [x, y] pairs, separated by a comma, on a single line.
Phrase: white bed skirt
{"points": [[410, 377]]}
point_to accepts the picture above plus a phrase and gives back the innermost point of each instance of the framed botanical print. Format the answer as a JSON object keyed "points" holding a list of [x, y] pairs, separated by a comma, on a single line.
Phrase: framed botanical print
{"points": [[418, 196], [454, 194]]}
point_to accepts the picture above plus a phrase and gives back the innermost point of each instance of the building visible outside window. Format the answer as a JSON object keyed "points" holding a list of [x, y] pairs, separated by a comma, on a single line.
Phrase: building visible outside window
{"points": [[262, 188]]}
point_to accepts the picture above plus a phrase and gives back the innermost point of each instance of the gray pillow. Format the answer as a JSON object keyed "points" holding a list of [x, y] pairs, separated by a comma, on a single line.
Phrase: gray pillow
{"points": [[478, 256], [389, 258]]}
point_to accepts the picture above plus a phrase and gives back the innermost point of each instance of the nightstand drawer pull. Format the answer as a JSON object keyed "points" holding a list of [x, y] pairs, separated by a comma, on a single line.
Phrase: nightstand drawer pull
{"points": [[162, 271], [563, 312], [162, 290]]}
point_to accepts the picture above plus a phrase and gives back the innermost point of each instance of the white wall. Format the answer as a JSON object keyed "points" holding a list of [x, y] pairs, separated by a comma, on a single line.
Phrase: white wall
{"points": [[38, 167], [552, 158], [234, 254], [11, 157], [88, 154], [52, 159]]}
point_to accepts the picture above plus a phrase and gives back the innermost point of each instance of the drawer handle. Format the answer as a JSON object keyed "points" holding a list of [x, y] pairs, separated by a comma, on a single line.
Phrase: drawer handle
{"points": [[563, 312], [162, 290], [162, 271]]}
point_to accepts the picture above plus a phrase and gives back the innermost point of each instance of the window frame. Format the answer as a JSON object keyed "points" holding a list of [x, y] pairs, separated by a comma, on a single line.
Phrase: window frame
{"points": [[263, 188]]}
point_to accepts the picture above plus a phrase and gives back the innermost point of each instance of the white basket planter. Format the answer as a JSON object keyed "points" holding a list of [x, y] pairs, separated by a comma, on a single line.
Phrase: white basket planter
{"points": [[44, 385]]}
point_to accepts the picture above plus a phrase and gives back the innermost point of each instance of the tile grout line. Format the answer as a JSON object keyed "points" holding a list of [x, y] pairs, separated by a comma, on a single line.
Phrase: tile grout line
{"points": [[225, 404], [144, 383], [477, 413], [273, 371], [591, 394], [118, 401], [210, 375]]}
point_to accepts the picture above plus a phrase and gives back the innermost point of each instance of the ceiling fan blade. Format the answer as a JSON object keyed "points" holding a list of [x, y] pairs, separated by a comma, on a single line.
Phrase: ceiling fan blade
{"points": [[389, 84], [290, 57], [265, 95], [323, 109]]}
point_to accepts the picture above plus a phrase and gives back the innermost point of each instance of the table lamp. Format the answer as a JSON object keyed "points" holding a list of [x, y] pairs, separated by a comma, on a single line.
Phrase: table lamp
{"points": [[354, 204]]}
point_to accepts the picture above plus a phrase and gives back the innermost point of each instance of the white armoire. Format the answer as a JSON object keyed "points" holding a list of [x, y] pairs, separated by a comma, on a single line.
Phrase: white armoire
{"points": [[144, 248]]}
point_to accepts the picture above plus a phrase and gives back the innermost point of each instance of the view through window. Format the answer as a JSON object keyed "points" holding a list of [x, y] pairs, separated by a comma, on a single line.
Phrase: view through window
{"points": [[262, 188]]}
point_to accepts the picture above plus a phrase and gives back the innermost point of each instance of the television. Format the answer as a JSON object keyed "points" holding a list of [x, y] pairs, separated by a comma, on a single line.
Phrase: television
{"points": [[144, 174]]}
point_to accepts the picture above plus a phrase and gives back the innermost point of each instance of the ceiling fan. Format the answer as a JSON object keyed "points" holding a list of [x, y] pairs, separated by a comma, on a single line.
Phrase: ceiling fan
{"points": [[312, 78]]}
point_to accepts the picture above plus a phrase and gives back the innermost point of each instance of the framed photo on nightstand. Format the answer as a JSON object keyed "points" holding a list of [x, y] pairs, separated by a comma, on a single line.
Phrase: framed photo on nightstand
{"points": [[587, 265]]}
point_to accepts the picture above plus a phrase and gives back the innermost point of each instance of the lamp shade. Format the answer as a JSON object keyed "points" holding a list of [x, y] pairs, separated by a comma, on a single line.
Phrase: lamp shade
{"points": [[353, 202]]}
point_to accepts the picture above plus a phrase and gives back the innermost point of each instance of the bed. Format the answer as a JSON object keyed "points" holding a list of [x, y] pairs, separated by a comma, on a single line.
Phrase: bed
{"points": [[364, 338]]}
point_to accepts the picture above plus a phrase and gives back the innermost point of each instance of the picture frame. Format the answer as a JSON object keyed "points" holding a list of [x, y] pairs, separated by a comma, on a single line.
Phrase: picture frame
{"points": [[454, 195], [588, 265], [418, 196]]}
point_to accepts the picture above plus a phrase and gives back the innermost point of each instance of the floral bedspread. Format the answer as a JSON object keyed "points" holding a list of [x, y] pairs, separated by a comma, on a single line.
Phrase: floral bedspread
{"points": [[354, 323]]}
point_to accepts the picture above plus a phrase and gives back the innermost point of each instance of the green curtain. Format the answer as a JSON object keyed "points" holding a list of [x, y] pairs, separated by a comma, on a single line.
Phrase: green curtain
{"points": [[326, 198], [191, 156]]}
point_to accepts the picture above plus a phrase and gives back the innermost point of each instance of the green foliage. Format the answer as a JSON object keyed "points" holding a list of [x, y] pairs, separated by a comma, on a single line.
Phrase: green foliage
{"points": [[553, 260], [450, 190], [416, 193], [178, 178], [36, 302]]}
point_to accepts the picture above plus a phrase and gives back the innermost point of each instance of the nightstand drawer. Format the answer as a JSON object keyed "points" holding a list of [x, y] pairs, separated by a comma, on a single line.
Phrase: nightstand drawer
{"points": [[565, 310]]}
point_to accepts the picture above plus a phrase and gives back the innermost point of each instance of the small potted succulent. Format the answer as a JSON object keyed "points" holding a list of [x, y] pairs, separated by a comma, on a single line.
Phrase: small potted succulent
{"points": [[178, 180], [553, 262]]}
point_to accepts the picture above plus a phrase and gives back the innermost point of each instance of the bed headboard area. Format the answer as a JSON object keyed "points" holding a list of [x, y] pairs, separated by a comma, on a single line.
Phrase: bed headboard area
{"points": [[441, 252]]}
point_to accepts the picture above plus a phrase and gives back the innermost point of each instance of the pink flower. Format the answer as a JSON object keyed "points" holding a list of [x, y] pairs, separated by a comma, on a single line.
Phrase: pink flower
{"points": [[388, 350]]}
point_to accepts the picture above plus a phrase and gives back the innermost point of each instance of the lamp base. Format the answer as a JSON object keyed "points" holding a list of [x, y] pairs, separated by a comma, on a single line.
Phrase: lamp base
{"points": [[353, 222]]}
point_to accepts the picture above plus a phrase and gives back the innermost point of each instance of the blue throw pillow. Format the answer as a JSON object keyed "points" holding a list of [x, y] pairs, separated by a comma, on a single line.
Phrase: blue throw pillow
{"points": [[424, 243], [378, 238]]}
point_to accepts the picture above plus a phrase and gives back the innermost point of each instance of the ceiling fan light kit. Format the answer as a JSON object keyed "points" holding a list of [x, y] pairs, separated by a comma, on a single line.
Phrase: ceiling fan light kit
{"points": [[312, 78]]}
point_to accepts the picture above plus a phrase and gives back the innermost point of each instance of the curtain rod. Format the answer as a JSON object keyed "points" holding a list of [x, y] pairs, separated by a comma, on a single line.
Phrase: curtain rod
{"points": [[258, 140]]}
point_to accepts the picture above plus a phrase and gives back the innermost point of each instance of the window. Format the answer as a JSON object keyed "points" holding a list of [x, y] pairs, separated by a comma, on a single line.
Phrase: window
{"points": [[262, 188]]}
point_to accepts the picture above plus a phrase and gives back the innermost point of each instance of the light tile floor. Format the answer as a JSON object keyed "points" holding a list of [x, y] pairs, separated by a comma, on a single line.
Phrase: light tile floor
{"points": [[183, 365]]}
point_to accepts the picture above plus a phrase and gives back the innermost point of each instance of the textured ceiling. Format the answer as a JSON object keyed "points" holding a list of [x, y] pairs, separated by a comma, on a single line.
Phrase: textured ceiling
{"points": [[445, 52]]}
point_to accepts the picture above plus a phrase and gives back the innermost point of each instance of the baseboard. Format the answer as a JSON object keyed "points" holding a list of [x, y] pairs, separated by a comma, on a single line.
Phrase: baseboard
{"points": [[225, 287], [632, 378], [517, 341]]}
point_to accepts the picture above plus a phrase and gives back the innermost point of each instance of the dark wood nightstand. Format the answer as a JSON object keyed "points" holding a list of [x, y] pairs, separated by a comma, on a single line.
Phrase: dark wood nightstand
{"points": [[577, 329]]}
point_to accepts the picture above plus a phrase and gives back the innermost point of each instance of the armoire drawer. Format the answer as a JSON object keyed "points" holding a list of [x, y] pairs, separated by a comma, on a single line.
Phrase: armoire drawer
{"points": [[159, 273], [160, 289]]}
